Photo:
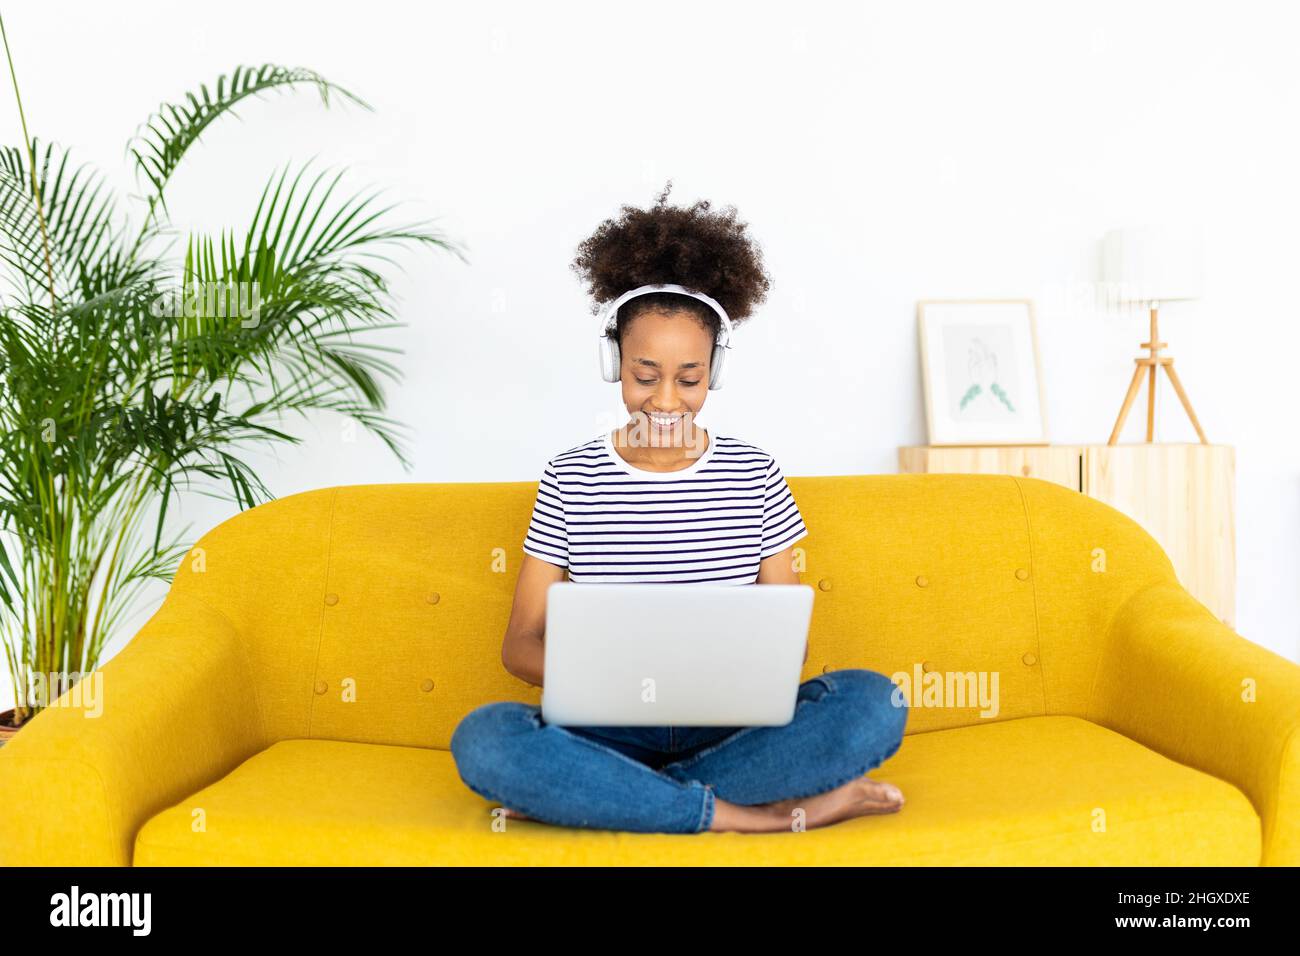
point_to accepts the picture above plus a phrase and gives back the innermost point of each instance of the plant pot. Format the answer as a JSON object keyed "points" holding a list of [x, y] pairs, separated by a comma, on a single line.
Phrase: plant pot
{"points": [[7, 728]]}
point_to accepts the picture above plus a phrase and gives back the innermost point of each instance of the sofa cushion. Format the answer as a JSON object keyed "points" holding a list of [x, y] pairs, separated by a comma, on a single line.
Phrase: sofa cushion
{"points": [[1031, 791]]}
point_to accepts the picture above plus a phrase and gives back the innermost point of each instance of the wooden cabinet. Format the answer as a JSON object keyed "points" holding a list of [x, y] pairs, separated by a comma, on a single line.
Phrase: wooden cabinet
{"points": [[1183, 494]]}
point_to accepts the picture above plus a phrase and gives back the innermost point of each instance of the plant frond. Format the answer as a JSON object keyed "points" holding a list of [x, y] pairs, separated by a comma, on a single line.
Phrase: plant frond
{"points": [[160, 143]]}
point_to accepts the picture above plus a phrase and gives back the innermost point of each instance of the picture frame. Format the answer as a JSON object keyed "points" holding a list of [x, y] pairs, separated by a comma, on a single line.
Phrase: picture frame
{"points": [[981, 372]]}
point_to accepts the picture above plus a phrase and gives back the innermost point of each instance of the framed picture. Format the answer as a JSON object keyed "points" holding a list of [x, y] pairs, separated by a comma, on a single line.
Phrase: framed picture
{"points": [[981, 372]]}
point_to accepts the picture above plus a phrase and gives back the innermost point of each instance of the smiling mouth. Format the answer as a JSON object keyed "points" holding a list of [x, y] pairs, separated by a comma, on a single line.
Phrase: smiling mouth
{"points": [[665, 422]]}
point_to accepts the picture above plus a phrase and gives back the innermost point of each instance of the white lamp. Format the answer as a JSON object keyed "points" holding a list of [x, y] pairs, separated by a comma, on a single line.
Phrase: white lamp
{"points": [[1153, 264]]}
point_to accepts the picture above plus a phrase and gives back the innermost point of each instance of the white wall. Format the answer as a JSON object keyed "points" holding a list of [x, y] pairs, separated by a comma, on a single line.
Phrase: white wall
{"points": [[882, 153]]}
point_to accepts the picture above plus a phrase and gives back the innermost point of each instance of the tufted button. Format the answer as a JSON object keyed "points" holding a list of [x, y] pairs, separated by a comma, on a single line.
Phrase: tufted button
{"points": [[1022, 573], [1029, 659], [321, 687], [927, 666], [331, 599], [433, 597], [824, 584], [922, 581], [426, 685]]}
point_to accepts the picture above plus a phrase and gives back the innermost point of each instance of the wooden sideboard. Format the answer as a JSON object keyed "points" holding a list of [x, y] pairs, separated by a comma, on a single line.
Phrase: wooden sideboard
{"points": [[1183, 494]]}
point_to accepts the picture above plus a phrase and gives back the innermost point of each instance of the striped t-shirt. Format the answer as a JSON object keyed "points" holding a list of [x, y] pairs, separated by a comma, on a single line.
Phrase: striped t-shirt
{"points": [[712, 522]]}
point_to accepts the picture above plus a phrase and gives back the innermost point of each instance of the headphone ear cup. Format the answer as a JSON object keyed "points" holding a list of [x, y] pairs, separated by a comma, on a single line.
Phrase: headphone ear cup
{"points": [[609, 359], [715, 366]]}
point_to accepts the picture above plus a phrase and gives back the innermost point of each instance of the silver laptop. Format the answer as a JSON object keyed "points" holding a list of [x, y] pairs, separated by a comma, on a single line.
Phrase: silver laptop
{"points": [[674, 654]]}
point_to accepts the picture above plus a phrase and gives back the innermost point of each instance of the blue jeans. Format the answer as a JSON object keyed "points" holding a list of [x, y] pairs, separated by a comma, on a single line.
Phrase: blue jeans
{"points": [[664, 779]]}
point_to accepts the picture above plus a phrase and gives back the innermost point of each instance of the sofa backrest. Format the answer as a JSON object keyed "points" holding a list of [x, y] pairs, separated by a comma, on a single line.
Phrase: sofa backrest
{"points": [[376, 612]]}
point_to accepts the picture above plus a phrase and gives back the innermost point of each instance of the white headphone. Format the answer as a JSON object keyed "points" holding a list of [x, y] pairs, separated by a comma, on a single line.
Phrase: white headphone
{"points": [[609, 356]]}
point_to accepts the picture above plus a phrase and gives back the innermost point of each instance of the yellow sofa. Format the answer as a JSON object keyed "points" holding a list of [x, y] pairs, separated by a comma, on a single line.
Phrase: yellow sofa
{"points": [[291, 701]]}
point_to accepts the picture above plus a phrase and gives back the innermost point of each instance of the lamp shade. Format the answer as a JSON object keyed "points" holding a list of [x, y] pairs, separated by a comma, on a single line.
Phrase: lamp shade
{"points": [[1153, 263]]}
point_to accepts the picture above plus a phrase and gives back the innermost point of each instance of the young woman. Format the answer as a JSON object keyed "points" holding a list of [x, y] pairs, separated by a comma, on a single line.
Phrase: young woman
{"points": [[663, 500]]}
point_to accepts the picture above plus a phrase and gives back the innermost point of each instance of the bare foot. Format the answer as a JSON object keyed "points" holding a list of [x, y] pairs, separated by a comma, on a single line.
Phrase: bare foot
{"points": [[858, 797]]}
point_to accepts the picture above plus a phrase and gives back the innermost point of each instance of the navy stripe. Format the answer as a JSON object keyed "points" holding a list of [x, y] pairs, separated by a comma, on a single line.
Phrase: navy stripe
{"points": [[606, 525]]}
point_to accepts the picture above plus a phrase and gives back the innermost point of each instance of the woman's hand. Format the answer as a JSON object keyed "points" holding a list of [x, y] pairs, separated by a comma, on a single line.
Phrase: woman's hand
{"points": [[779, 569], [523, 651]]}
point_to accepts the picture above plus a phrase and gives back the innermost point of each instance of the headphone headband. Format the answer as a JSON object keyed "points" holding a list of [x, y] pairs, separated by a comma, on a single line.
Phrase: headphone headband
{"points": [[611, 311]]}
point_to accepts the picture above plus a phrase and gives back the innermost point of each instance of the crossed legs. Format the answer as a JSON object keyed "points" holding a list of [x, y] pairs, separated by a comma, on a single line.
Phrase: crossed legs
{"points": [[757, 779]]}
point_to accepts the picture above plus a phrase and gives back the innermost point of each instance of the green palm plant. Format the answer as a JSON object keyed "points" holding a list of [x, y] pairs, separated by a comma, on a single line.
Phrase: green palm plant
{"points": [[128, 376]]}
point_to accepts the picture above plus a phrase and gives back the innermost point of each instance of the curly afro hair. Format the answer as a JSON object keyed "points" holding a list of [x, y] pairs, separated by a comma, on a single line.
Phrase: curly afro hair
{"points": [[702, 250]]}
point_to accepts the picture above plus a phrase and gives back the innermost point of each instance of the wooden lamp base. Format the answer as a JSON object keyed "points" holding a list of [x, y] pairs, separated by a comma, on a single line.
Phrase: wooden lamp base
{"points": [[1149, 365]]}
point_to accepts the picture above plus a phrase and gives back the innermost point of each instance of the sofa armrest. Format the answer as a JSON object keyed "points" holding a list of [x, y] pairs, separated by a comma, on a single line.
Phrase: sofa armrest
{"points": [[178, 708], [1175, 678]]}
